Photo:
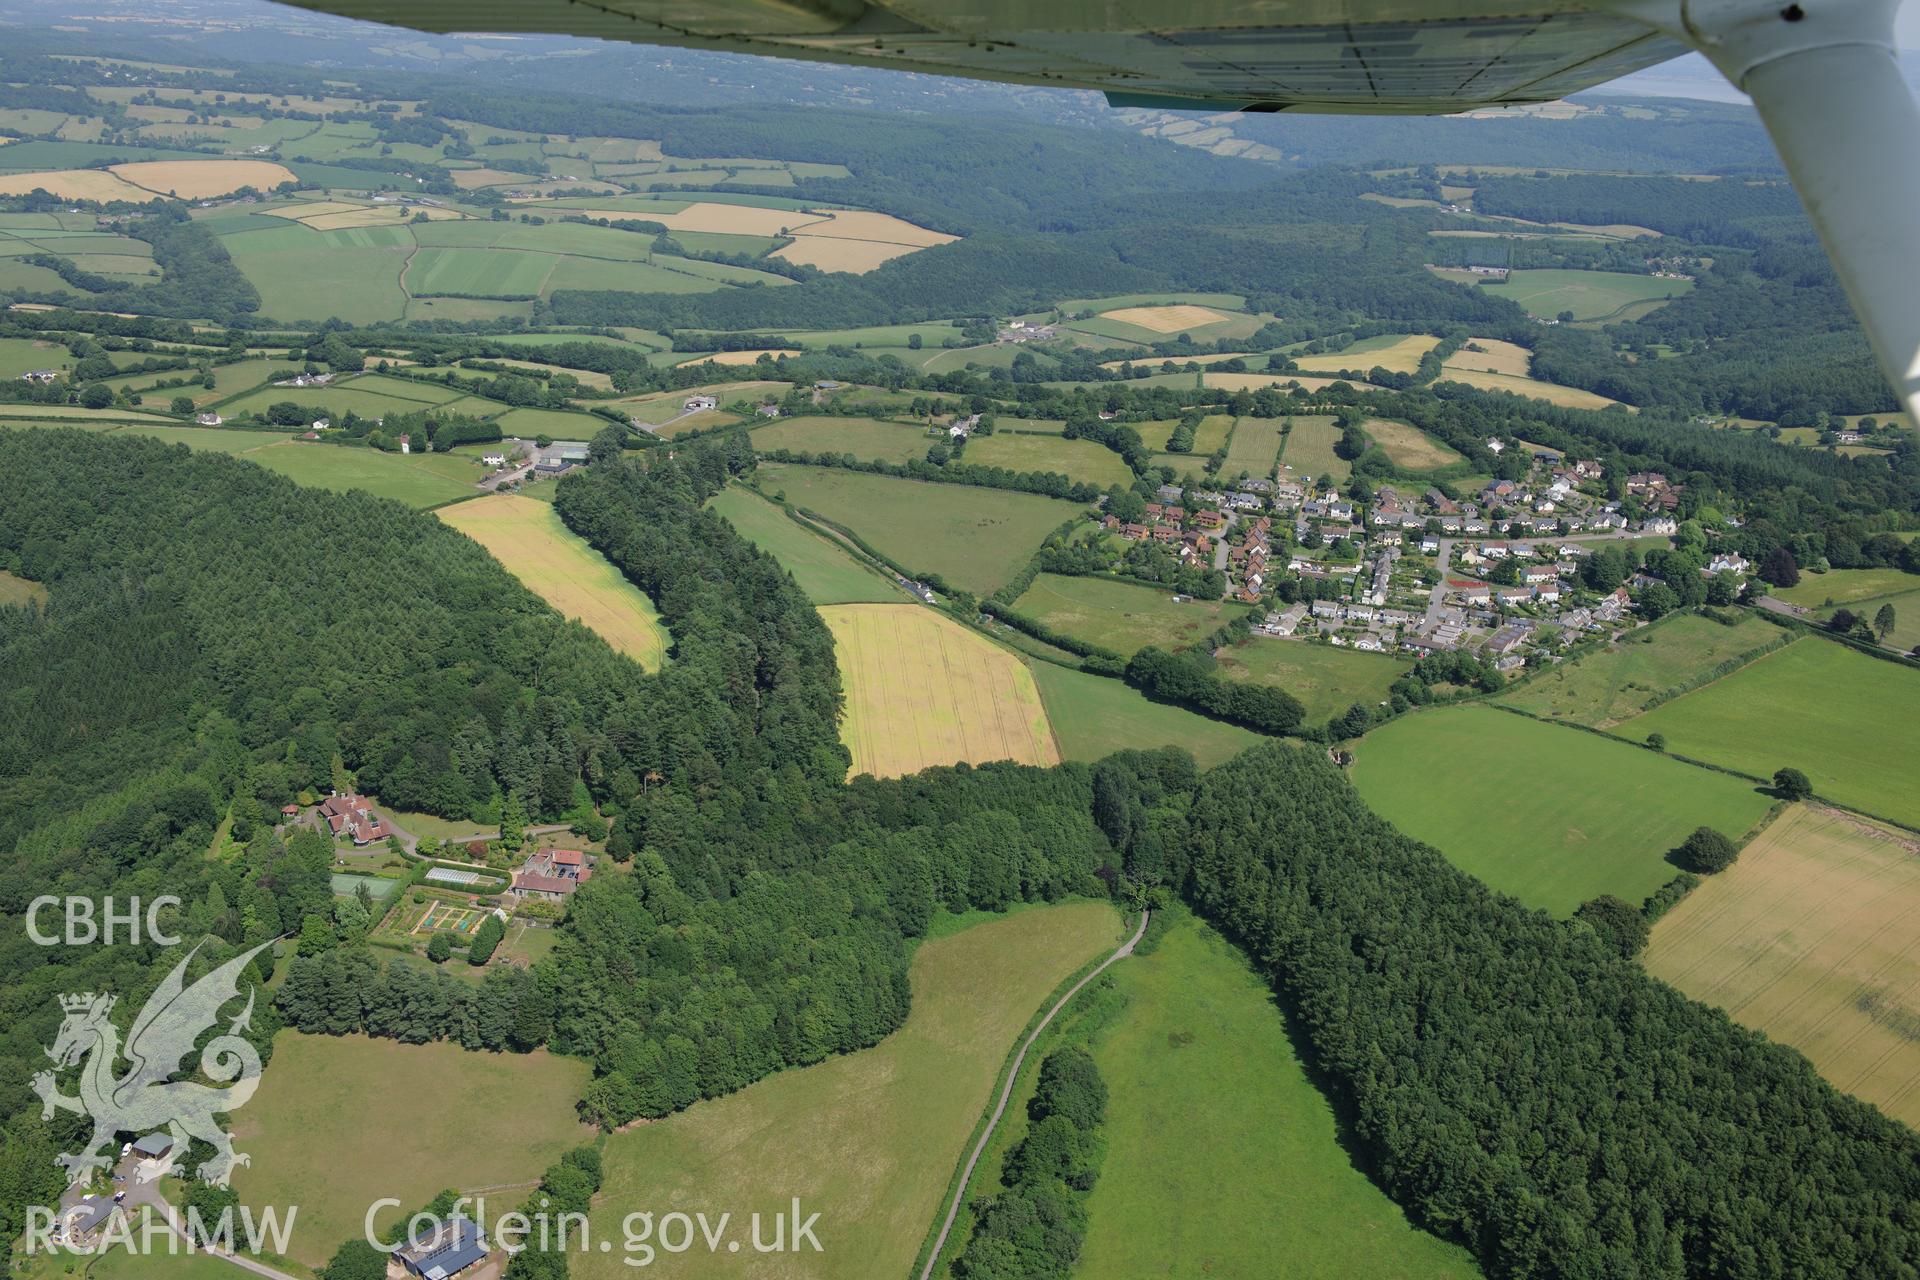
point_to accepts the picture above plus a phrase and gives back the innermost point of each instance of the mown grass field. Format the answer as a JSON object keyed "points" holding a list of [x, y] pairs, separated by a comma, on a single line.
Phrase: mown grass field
{"points": [[1223, 1159], [1094, 716], [1549, 814], [415, 480], [867, 439], [869, 1139], [827, 572], [556, 564], [1309, 449], [1845, 587], [342, 1121], [922, 690], [1253, 448], [1121, 616], [1408, 447], [1325, 679], [1589, 295], [1076, 459], [25, 355], [1607, 687], [975, 538], [1810, 938], [1850, 722]]}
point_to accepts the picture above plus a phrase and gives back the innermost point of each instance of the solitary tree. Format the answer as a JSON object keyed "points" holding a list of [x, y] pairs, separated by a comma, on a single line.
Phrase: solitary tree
{"points": [[1657, 741], [181, 404], [1791, 784], [1883, 622], [1706, 851]]}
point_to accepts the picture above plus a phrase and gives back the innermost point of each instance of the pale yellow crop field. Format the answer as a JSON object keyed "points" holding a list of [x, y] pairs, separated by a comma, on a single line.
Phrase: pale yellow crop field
{"points": [[922, 690], [468, 179], [855, 256], [1552, 393], [1177, 318], [864, 224], [528, 537], [742, 357], [313, 209], [74, 184], [376, 215], [1255, 381], [197, 179], [1813, 937], [1219, 357], [1402, 357], [1495, 357]]}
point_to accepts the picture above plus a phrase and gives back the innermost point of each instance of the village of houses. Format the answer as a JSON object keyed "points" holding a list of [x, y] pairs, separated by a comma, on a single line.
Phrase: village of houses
{"points": [[1410, 572]]}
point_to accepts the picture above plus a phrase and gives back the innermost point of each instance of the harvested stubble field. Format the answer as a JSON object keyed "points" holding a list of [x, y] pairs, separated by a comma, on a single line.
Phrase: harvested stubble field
{"points": [[1392, 352], [1169, 319], [1813, 937], [1494, 356], [922, 690]]}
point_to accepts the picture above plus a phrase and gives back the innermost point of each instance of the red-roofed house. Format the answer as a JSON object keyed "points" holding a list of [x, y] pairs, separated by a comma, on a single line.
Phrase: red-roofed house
{"points": [[353, 817]]}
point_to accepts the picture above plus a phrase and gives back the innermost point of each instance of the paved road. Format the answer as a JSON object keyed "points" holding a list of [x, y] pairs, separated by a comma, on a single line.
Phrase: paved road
{"points": [[1006, 1094]]}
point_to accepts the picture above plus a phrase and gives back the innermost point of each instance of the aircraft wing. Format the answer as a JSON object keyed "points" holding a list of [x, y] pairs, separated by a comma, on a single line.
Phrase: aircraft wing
{"points": [[1396, 56]]}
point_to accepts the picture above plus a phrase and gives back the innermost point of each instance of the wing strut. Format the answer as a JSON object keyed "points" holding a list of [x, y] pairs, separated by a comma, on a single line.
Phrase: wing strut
{"points": [[1823, 77]]}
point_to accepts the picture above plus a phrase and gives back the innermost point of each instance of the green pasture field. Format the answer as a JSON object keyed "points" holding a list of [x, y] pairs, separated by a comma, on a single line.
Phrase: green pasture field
{"points": [[1222, 1157], [1326, 680], [1845, 587], [1850, 722], [1230, 326], [468, 310], [987, 356], [933, 334], [1619, 681], [871, 1137], [333, 401], [637, 277], [491, 272], [558, 423], [864, 438], [26, 276], [1083, 460], [975, 538], [724, 242], [313, 275], [418, 481], [826, 572], [1549, 814], [1253, 448], [1095, 716], [306, 1153], [24, 355], [1309, 449], [209, 439], [1120, 616], [1590, 295], [1905, 635], [720, 272], [1222, 301]]}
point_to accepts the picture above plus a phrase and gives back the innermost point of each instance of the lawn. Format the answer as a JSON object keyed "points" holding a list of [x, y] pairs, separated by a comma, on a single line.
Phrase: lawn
{"points": [[1851, 723], [1254, 448], [1589, 295], [865, 438], [1549, 814], [1082, 460], [342, 1121], [1222, 1157], [1094, 716], [869, 1139], [1309, 450], [922, 690], [1325, 679], [1619, 681], [1120, 616], [827, 572], [975, 538], [1407, 447], [529, 538], [415, 480], [1809, 939]]}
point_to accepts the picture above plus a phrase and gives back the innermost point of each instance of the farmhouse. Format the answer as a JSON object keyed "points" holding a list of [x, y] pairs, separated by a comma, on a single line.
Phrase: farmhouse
{"points": [[352, 816], [39, 375], [453, 1247], [696, 404], [86, 1220], [208, 419], [553, 874]]}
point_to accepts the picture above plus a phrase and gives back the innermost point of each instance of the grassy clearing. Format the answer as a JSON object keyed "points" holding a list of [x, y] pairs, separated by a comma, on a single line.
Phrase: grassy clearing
{"points": [[1548, 814], [1222, 1156], [922, 690], [825, 570], [1408, 447], [1589, 295], [1309, 449], [1254, 448], [1093, 717], [1850, 722], [864, 438], [16, 590], [1081, 460], [976, 539], [1325, 679], [870, 1138], [314, 1144], [1120, 616], [1809, 938], [1618, 682], [529, 538]]}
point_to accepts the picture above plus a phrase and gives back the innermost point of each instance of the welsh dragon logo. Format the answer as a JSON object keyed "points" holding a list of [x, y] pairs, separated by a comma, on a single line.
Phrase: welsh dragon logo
{"points": [[145, 1099]]}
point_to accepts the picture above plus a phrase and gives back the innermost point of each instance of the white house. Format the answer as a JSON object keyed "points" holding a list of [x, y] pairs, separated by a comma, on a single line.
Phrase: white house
{"points": [[322, 424], [208, 419], [695, 404], [495, 459]]}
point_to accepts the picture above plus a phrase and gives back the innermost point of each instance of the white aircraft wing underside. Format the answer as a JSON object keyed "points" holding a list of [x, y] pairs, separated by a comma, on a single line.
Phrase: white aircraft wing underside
{"points": [[1387, 56]]}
